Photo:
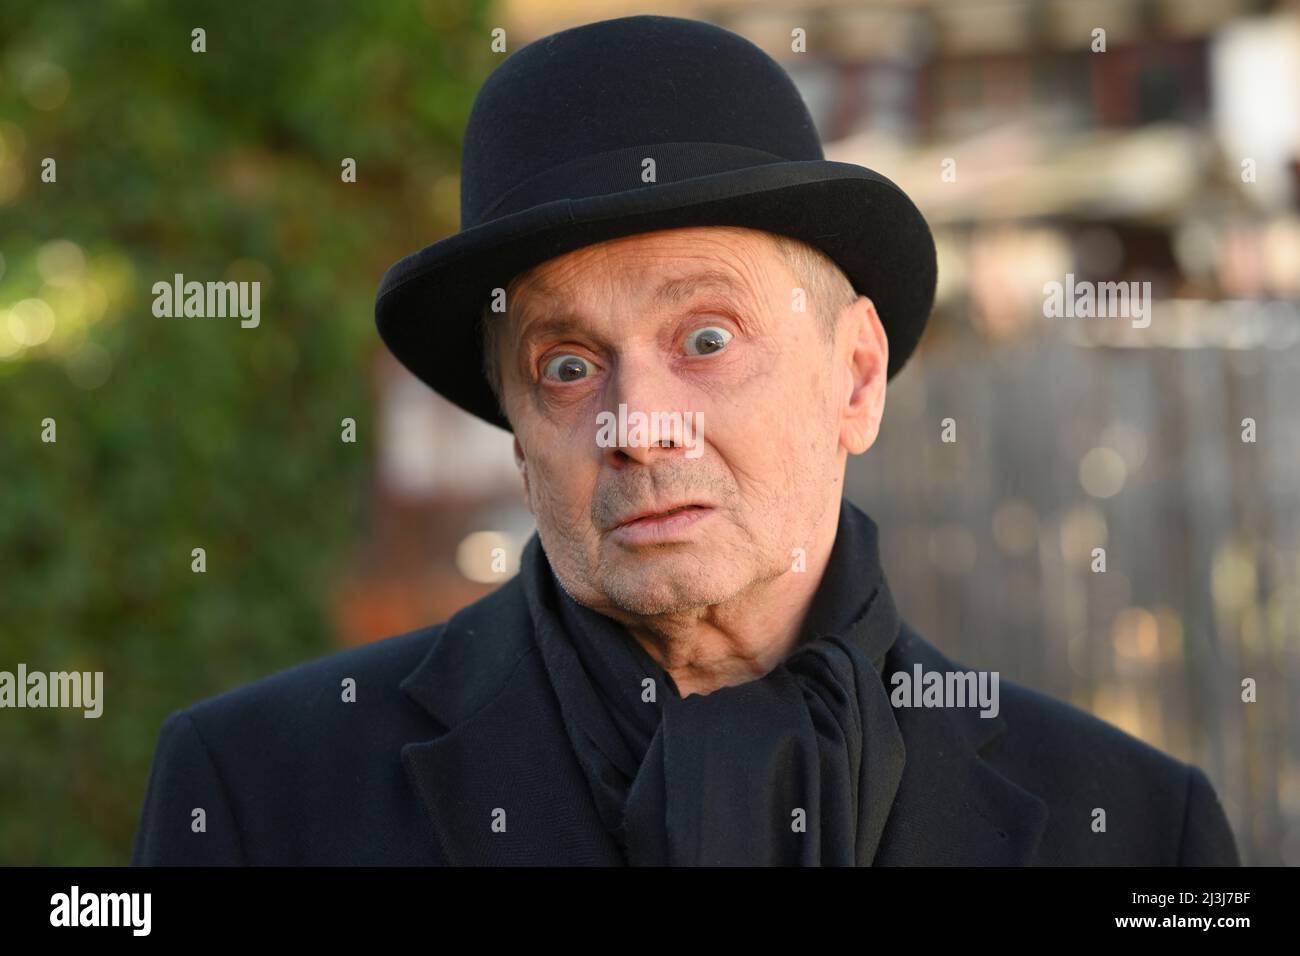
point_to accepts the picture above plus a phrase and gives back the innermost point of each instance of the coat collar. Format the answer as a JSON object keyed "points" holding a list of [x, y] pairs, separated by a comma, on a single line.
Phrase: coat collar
{"points": [[982, 818], [504, 748]]}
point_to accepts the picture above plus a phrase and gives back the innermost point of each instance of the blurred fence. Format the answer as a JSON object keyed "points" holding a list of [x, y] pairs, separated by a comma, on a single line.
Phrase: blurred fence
{"points": [[989, 543]]}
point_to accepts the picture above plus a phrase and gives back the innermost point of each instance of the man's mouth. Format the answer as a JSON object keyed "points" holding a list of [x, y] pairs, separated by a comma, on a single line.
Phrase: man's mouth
{"points": [[653, 515], [663, 526]]}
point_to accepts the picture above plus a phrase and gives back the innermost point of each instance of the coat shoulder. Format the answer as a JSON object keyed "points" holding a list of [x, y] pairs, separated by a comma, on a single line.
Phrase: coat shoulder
{"points": [[295, 767], [309, 704], [1154, 807], [375, 667]]}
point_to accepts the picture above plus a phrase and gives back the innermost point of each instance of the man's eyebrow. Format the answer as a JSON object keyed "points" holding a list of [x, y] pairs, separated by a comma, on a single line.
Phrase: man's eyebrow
{"points": [[550, 325], [672, 290], [682, 287]]}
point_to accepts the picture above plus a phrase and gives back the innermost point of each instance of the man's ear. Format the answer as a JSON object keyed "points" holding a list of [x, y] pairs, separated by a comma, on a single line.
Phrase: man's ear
{"points": [[868, 373], [522, 464]]}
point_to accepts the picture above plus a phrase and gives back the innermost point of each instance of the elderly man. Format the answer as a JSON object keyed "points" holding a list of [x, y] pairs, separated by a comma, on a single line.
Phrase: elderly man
{"points": [[699, 662]]}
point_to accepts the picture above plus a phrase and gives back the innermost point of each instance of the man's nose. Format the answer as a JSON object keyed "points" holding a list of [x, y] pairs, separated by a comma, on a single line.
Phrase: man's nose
{"points": [[641, 398]]}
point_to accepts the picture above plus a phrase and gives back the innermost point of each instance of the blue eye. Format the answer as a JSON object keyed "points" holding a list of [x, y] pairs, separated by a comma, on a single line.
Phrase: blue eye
{"points": [[709, 340], [566, 368]]}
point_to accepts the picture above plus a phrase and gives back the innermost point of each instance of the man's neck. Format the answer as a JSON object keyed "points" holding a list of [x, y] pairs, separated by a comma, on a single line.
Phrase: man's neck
{"points": [[745, 637]]}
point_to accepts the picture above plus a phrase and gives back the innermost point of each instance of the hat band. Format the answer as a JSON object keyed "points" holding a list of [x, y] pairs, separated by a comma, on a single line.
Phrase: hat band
{"points": [[622, 169]]}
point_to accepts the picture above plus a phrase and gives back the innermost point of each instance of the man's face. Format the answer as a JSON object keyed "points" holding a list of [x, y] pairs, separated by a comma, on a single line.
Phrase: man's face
{"points": [[699, 321]]}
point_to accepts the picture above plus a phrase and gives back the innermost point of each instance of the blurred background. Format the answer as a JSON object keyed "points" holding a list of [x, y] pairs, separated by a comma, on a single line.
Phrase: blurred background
{"points": [[1172, 157]]}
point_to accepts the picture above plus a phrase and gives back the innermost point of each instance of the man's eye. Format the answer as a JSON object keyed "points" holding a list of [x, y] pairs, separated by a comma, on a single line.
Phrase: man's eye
{"points": [[566, 368], [707, 340]]}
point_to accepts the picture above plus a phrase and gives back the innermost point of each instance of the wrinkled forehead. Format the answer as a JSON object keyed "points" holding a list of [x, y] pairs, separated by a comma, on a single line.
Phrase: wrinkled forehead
{"points": [[652, 270]]}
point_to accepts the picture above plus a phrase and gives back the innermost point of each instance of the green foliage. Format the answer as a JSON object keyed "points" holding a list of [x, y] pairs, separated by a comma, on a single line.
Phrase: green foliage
{"points": [[179, 433]]}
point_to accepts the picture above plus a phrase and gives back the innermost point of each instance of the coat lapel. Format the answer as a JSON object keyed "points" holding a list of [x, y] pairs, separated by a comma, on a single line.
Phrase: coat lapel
{"points": [[505, 757], [505, 751], [952, 808]]}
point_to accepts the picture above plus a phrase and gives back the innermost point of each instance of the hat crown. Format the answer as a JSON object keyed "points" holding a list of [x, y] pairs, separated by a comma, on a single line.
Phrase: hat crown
{"points": [[607, 89]]}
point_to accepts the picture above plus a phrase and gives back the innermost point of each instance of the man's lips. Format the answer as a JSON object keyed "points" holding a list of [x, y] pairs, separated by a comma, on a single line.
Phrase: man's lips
{"points": [[657, 513], [662, 526]]}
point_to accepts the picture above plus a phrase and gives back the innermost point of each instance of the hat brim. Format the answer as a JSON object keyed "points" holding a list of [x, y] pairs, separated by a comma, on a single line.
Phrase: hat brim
{"points": [[429, 303]]}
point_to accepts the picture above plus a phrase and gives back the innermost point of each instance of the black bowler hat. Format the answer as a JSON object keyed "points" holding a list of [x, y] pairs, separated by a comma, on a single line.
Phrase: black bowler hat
{"points": [[552, 161]]}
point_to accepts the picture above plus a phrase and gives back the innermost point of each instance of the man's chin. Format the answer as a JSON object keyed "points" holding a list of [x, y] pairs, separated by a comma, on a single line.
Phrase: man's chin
{"points": [[666, 583]]}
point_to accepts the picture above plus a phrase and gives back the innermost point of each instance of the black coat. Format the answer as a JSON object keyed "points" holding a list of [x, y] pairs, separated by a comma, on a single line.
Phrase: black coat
{"points": [[458, 718]]}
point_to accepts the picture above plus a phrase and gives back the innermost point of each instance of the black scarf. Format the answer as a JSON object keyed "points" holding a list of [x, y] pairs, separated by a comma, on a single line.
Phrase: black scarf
{"points": [[721, 778]]}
